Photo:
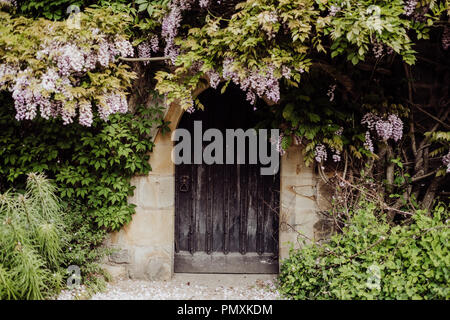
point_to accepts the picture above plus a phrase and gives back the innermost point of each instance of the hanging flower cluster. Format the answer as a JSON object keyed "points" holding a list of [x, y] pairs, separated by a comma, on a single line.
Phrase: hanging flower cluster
{"points": [[203, 3], [169, 29], [144, 51], [52, 92], [53, 84], [390, 128], [334, 10], [257, 83], [336, 156], [379, 49], [320, 153], [368, 143], [214, 78], [146, 48], [171, 24], [330, 92], [410, 6]]}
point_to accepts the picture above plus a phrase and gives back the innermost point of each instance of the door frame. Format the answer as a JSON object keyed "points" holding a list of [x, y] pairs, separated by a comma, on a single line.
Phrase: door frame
{"points": [[147, 244]]}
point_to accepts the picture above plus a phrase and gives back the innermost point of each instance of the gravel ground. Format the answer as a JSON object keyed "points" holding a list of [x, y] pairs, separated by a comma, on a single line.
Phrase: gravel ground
{"points": [[189, 287]]}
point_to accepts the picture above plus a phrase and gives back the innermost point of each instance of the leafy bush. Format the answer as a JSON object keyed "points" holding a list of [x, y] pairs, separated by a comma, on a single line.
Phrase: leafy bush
{"points": [[31, 241], [372, 259]]}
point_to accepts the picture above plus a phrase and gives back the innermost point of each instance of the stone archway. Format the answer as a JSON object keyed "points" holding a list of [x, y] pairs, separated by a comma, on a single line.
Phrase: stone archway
{"points": [[146, 244]]}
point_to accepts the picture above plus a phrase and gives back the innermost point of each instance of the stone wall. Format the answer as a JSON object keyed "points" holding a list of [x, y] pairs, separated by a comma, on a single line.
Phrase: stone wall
{"points": [[300, 203], [145, 247]]}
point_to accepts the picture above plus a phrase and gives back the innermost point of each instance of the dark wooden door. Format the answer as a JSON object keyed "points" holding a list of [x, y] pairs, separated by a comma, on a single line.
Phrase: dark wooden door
{"points": [[226, 215]]}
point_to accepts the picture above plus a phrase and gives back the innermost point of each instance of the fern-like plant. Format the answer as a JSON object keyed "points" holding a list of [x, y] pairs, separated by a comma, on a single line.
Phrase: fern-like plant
{"points": [[31, 241]]}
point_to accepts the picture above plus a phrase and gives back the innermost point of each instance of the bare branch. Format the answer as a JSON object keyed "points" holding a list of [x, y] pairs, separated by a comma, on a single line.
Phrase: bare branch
{"points": [[430, 115]]}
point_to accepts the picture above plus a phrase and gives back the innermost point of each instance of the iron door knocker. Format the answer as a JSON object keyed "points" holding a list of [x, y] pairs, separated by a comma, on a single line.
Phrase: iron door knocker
{"points": [[184, 183]]}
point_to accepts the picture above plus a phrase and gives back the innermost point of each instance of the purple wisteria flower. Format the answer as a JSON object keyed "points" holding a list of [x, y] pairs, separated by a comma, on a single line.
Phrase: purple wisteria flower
{"points": [[410, 6], [257, 83], [330, 92], [334, 10], [154, 43], [391, 128], [86, 117], [52, 93], [340, 131], [397, 127], [214, 78], [170, 26], [203, 3], [190, 110], [320, 153], [67, 114], [124, 47], [368, 144], [378, 49], [144, 51]]}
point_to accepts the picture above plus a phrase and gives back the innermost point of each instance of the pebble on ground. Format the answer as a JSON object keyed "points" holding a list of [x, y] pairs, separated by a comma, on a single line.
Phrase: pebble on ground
{"points": [[182, 289]]}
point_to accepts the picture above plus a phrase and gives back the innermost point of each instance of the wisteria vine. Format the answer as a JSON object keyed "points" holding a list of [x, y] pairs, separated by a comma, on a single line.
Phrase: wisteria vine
{"points": [[55, 91]]}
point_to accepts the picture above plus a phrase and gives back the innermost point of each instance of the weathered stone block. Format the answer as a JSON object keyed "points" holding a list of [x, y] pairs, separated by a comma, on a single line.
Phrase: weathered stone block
{"points": [[304, 190], [289, 238], [120, 257], [116, 272], [166, 192], [161, 161], [150, 228], [156, 192], [324, 194], [153, 263], [148, 192], [292, 163], [158, 269], [283, 253], [162, 140], [304, 222], [299, 188], [303, 203]]}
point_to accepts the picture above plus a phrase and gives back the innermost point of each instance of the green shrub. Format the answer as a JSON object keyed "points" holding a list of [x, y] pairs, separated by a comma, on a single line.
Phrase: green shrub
{"points": [[31, 241], [372, 259]]}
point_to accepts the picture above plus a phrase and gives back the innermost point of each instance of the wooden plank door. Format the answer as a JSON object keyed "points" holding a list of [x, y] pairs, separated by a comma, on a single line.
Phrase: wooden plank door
{"points": [[226, 215]]}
